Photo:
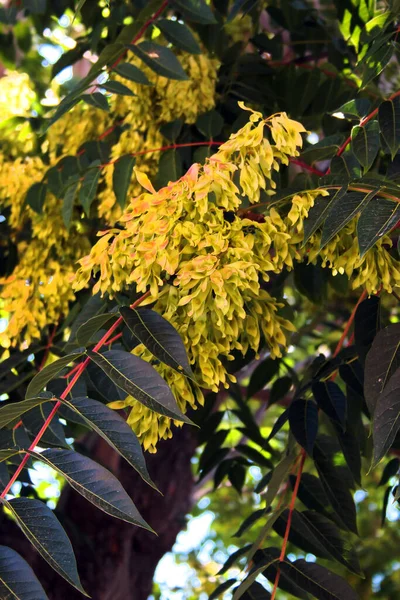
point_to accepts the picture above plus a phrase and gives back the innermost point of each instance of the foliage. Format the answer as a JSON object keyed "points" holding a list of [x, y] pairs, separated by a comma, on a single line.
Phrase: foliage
{"points": [[178, 173]]}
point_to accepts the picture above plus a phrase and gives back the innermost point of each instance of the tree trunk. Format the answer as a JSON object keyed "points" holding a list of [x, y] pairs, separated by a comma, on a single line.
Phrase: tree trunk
{"points": [[116, 561]]}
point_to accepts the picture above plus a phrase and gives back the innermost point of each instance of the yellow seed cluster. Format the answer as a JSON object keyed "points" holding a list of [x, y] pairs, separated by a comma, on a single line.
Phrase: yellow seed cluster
{"points": [[38, 291], [206, 271]]}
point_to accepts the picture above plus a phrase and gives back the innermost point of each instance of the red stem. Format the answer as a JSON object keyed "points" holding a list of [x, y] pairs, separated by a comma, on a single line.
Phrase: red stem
{"points": [[143, 29], [81, 367], [289, 521], [304, 165], [349, 324], [363, 122]]}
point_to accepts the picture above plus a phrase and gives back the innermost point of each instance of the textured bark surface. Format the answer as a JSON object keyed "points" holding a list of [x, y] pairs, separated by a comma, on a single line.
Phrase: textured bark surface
{"points": [[116, 560]]}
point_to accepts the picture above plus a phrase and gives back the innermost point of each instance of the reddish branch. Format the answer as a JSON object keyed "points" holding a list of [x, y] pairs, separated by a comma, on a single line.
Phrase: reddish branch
{"points": [[289, 521], [79, 370]]}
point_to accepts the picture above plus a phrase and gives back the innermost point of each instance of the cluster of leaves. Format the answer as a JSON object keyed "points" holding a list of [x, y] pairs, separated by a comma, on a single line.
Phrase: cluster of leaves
{"points": [[33, 423]]}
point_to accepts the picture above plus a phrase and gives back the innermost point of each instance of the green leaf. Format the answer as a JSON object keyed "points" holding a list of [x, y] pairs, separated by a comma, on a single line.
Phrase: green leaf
{"points": [[65, 106], [391, 469], [122, 176], [35, 7], [377, 219], [248, 522], [255, 571], [256, 592], [116, 87], [225, 585], [303, 421], [44, 531], [315, 533], [88, 189], [114, 429], [318, 581], [17, 580], [325, 148], [365, 143], [140, 380], [233, 558], [338, 493], [160, 59], [50, 372], [254, 455], [36, 196], [68, 204], [341, 211], [262, 374], [78, 8], [210, 123], [97, 100], [375, 27], [319, 212], [331, 400], [355, 109], [381, 363], [169, 167], [131, 72], [14, 410], [269, 557], [93, 482], [178, 34], [34, 420], [172, 129], [389, 123], [195, 10], [376, 60], [87, 330], [386, 421], [158, 336]]}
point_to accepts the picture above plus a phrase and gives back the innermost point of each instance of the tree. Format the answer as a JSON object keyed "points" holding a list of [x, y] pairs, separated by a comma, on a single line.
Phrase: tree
{"points": [[199, 231]]}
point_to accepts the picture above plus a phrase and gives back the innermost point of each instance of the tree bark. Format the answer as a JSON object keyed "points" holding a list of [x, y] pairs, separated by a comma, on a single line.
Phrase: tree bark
{"points": [[116, 561]]}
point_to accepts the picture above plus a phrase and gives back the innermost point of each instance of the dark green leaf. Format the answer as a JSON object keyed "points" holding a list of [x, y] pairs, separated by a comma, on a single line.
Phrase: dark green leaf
{"points": [[210, 124], [68, 204], [237, 476], [374, 27], [374, 64], [338, 493], [262, 374], [365, 143], [88, 189], [279, 475], [35, 7], [389, 123], [17, 580], [158, 336], [350, 446], [169, 167], [225, 585], [132, 73], [303, 421], [345, 168], [355, 109], [311, 281], [384, 505], [50, 372], [279, 423], [92, 326], [386, 421], [13, 410], [247, 523], [140, 380], [36, 196], [178, 34], [319, 212], [318, 581], [254, 455], [114, 429], [269, 557], [160, 59], [34, 421], [122, 176], [256, 592], [233, 558], [391, 469], [311, 493], [341, 211], [377, 219], [366, 326], [93, 482], [382, 361], [331, 400], [172, 129], [116, 87], [44, 531], [325, 148], [97, 100], [195, 10], [280, 388]]}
